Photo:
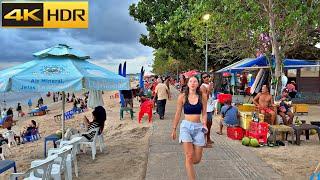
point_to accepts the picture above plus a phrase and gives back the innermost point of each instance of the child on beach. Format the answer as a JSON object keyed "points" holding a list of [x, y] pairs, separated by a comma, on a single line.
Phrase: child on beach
{"points": [[192, 130]]}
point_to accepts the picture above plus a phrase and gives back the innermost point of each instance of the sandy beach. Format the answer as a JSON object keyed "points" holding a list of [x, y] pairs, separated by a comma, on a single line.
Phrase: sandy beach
{"points": [[126, 140], [128, 144]]}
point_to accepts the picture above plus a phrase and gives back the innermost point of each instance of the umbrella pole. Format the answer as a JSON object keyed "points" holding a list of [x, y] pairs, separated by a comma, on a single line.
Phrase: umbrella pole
{"points": [[63, 111]]}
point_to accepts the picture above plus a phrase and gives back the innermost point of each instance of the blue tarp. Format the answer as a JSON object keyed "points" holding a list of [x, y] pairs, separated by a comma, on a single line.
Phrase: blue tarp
{"points": [[262, 62]]}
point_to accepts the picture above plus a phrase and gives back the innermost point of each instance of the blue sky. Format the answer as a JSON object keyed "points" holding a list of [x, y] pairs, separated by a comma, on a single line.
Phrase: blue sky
{"points": [[112, 37]]}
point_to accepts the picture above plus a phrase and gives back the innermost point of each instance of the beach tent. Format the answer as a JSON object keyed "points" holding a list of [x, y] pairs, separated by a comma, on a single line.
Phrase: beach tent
{"points": [[262, 62], [60, 68]]}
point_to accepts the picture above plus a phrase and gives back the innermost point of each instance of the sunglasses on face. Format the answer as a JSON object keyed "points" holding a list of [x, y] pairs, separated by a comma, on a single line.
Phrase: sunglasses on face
{"points": [[205, 77]]}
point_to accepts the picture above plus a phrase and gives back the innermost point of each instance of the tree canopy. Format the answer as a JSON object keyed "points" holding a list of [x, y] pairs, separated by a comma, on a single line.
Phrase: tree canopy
{"points": [[236, 29]]}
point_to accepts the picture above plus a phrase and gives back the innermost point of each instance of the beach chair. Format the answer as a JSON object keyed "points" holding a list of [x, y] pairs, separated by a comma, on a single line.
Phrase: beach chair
{"points": [[60, 164], [74, 142], [127, 109], [5, 150], [146, 108], [102, 145], [33, 173], [92, 143], [57, 118], [10, 136], [32, 137]]}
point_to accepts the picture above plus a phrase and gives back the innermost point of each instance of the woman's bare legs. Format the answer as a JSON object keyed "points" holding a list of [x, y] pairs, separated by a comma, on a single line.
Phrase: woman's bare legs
{"points": [[193, 155]]}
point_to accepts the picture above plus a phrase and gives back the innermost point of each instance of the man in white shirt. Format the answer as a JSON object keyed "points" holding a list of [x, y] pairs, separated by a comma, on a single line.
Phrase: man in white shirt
{"points": [[162, 94]]}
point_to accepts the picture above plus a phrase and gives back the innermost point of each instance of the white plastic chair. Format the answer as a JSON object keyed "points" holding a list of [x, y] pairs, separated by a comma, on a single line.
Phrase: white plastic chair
{"points": [[5, 150], [102, 144], [75, 146], [92, 142], [33, 173], [2, 153], [59, 164], [10, 136]]}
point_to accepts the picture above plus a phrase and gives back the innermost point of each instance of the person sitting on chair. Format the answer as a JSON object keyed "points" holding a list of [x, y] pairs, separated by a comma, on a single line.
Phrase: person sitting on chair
{"points": [[265, 104], [30, 129], [99, 117], [284, 107]]}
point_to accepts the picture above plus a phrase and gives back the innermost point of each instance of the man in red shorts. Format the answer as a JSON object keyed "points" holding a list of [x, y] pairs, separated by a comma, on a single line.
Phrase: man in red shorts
{"points": [[264, 103]]}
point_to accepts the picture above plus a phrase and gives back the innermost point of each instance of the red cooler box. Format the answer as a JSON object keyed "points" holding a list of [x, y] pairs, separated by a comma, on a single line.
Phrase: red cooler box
{"points": [[235, 133], [223, 97]]}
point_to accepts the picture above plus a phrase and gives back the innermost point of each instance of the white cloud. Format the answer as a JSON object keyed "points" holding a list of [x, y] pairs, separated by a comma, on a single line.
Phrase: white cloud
{"points": [[133, 65]]}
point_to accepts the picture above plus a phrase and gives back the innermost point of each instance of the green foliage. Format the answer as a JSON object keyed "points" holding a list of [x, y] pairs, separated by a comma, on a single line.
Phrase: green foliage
{"points": [[234, 28], [163, 63]]}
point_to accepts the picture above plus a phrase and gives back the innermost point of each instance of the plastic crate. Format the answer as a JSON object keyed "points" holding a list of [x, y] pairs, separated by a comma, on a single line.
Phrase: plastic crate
{"points": [[262, 138], [222, 97], [235, 133], [246, 133], [259, 128]]}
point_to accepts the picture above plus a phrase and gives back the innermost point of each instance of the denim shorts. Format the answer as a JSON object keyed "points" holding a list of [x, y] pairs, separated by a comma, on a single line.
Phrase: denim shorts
{"points": [[191, 132]]}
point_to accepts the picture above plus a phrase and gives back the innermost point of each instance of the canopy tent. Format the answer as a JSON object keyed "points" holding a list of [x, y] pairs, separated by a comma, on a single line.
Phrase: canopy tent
{"points": [[262, 62], [60, 68], [148, 74], [190, 73]]}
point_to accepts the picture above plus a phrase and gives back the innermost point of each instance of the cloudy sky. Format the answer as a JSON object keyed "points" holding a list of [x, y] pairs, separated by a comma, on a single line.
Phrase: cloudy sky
{"points": [[112, 37]]}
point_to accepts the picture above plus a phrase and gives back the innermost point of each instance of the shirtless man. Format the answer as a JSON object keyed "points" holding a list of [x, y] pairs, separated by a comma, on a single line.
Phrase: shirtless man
{"points": [[264, 102]]}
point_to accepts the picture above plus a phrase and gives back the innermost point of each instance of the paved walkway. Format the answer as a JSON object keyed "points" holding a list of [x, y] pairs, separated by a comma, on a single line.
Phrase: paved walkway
{"points": [[226, 160]]}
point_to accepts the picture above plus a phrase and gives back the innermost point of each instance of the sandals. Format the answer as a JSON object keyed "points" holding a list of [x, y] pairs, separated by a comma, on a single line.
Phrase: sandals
{"points": [[219, 133]]}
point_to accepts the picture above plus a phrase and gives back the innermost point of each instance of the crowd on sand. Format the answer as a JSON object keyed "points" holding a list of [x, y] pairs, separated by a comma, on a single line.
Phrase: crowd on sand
{"points": [[197, 100]]}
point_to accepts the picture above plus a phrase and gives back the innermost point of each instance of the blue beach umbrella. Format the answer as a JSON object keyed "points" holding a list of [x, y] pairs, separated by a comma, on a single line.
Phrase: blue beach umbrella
{"points": [[60, 68]]}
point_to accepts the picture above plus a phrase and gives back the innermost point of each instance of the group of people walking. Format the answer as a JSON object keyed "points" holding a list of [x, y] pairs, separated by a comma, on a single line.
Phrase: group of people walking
{"points": [[196, 100]]}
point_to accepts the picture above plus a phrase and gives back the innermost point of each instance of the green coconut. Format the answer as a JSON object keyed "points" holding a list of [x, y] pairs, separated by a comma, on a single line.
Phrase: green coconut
{"points": [[245, 141], [313, 131], [254, 142]]}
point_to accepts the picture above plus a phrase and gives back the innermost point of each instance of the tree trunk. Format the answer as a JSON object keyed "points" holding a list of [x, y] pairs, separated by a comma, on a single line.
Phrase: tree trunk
{"points": [[275, 49]]}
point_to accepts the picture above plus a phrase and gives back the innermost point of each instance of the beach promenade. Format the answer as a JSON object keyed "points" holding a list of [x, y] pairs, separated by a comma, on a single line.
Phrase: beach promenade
{"points": [[226, 160]]}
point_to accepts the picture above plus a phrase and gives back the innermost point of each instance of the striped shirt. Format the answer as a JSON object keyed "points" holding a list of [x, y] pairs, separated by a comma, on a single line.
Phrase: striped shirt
{"points": [[91, 126]]}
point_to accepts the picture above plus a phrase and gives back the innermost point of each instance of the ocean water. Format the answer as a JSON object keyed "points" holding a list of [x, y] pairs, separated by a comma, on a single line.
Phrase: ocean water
{"points": [[10, 99]]}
